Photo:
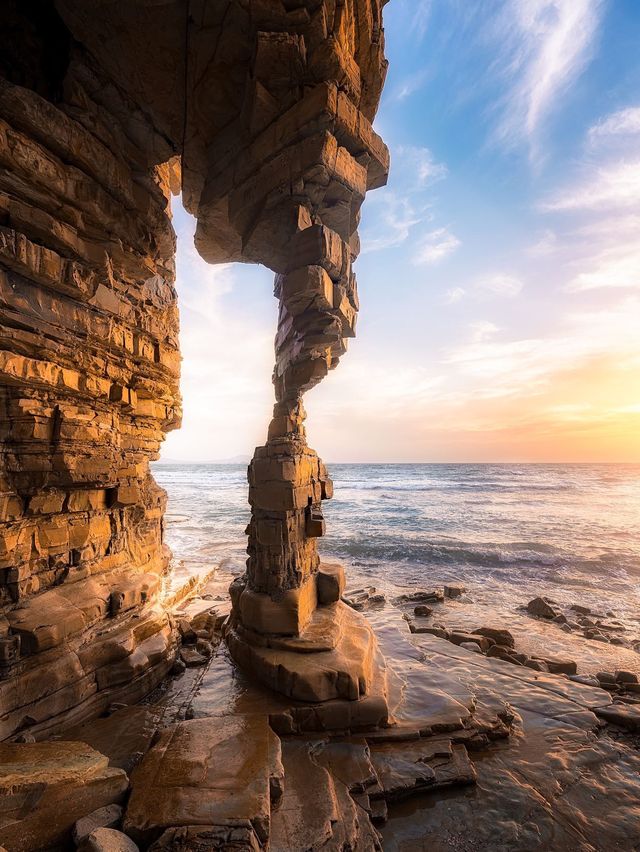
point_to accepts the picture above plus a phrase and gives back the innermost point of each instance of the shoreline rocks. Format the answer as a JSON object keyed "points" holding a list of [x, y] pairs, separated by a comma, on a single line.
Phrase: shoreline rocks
{"points": [[594, 626]]}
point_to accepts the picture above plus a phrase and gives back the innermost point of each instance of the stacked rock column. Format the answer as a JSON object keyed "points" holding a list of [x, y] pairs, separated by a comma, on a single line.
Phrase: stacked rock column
{"points": [[292, 202], [287, 480]]}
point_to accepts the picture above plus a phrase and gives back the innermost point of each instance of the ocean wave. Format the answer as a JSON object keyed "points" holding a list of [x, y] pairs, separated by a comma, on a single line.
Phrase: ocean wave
{"points": [[517, 559]]}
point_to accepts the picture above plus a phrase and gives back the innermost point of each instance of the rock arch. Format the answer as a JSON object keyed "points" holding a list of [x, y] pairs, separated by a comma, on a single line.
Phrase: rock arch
{"points": [[267, 107]]}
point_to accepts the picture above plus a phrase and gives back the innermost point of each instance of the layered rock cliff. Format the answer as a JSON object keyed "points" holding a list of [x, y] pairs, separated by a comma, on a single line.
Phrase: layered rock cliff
{"points": [[89, 368]]}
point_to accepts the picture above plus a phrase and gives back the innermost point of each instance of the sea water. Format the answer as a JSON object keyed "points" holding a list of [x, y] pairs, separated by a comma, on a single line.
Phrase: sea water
{"points": [[507, 531]]}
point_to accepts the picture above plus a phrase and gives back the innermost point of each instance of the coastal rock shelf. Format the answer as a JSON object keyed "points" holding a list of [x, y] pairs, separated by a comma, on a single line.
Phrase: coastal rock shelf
{"points": [[516, 756]]}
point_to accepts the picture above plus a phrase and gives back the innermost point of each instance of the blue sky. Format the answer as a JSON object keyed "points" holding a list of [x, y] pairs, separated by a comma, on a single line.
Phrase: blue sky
{"points": [[500, 268]]}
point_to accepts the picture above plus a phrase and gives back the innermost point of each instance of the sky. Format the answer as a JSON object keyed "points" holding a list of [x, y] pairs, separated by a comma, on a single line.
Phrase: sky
{"points": [[499, 278]]}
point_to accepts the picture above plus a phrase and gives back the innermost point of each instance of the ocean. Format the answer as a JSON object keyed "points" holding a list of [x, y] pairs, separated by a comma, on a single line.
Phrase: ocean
{"points": [[509, 532]]}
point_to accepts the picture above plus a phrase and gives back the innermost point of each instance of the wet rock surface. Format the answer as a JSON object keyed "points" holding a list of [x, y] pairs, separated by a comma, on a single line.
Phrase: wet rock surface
{"points": [[45, 788], [514, 754]]}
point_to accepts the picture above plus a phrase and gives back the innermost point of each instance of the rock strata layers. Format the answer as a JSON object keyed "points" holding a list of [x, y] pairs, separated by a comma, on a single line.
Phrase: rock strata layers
{"points": [[89, 368]]}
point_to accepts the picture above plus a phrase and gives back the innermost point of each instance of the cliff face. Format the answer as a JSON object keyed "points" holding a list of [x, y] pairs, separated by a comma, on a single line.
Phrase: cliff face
{"points": [[89, 368], [267, 104]]}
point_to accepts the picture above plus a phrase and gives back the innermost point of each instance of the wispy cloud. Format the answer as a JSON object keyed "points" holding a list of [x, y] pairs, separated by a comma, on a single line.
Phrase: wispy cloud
{"points": [[544, 45], [499, 284], [545, 245], [482, 330], [420, 164], [616, 267], [454, 295], [625, 122], [420, 19], [411, 84], [390, 220], [391, 215], [608, 187], [435, 246], [506, 367], [493, 285]]}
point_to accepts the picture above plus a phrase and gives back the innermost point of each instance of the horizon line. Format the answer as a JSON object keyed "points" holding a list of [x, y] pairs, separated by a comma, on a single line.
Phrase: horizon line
{"points": [[369, 463]]}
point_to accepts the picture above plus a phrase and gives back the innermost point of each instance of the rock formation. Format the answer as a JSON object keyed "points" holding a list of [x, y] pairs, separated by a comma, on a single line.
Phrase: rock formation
{"points": [[266, 107], [260, 111], [296, 209], [89, 368]]}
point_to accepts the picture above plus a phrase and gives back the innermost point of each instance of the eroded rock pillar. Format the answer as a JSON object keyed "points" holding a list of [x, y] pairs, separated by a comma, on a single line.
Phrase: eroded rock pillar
{"points": [[289, 625], [287, 479]]}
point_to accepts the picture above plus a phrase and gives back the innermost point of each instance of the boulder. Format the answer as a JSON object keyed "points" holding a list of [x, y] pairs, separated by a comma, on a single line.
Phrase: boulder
{"points": [[46, 787], [440, 632], [429, 596], [499, 635], [557, 665], [212, 838], [204, 647], [203, 772], [536, 665], [330, 583], [621, 715], [405, 769], [585, 680], [187, 632], [542, 608], [107, 840], [123, 737], [107, 817], [625, 677], [596, 634], [422, 610], [459, 636], [503, 652], [192, 658], [454, 590]]}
